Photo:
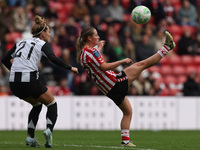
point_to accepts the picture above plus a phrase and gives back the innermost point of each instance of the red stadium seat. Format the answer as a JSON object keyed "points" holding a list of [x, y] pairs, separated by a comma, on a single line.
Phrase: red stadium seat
{"points": [[190, 68], [178, 70], [62, 15], [177, 8], [175, 29], [169, 79], [196, 60], [198, 70], [164, 60], [186, 60], [161, 80], [166, 70], [190, 28], [56, 5], [69, 7], [154, 69], [125, 3], [181, 79], [173, 92], [164, 92], [174, 60], [14, 36], [176, 2], [65, 12]]}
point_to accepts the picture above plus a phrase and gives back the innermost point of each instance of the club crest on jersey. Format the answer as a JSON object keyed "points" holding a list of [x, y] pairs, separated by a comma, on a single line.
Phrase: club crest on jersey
{"points": [[96, 53]]}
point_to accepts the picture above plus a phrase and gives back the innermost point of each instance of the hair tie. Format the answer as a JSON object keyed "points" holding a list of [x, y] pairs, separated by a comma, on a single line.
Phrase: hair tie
{"points": [[41, 30]]}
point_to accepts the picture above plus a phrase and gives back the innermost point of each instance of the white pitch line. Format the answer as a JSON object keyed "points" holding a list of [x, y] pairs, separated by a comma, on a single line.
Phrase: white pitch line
{"points": [[114, 147], [95, 146]]}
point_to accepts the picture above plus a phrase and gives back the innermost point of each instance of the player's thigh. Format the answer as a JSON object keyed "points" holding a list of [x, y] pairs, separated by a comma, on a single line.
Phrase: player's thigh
{"points": [[31, 100], [46, 98], [133, 71], [42, 94]]}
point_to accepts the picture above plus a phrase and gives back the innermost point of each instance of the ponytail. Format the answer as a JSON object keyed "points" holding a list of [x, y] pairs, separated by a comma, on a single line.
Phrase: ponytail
{"points": [[79, 46]]}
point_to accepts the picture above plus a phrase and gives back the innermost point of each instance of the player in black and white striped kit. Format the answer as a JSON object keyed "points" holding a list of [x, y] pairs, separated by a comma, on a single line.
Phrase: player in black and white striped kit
{"points": [[24, 75]]}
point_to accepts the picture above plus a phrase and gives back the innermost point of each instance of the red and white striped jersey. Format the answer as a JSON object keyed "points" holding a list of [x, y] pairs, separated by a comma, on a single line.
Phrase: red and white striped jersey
{"points": [[91, 60]]}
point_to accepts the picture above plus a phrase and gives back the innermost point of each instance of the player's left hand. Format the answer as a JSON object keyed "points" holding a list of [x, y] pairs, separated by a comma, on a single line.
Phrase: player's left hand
{"points": [[127, 60], [101, 44]]}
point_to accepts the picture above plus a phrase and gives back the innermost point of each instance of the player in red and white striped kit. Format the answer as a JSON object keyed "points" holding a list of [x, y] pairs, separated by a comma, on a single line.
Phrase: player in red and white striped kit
{"points": [[115, 86], [91, 60]]}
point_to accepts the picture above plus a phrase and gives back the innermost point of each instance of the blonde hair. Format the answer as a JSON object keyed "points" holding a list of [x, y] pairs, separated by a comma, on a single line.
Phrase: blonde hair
{"points": [[39, 26], [82, 40]]}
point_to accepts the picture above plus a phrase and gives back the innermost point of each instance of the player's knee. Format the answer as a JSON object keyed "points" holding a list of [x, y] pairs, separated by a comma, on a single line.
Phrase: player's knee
{"points": [[128, 112]]}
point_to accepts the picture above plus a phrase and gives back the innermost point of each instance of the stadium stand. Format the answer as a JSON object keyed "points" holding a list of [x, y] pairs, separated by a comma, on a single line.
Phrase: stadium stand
{"points": [[172, 69]]}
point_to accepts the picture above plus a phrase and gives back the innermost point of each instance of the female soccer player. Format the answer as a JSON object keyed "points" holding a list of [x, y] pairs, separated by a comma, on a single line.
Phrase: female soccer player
{"points": [[114, 85], [24, 75]]}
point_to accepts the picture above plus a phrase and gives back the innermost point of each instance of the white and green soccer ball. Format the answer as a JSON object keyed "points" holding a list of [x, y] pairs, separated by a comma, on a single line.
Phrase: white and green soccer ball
{"points": [[141, 14]]}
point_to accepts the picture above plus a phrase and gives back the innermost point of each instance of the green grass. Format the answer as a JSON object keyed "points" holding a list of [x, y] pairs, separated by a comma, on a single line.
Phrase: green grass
{"points": [[105, 140]]}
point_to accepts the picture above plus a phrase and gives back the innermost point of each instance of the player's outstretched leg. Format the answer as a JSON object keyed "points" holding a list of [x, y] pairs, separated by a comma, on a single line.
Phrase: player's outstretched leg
{"points": [[133, 71]]}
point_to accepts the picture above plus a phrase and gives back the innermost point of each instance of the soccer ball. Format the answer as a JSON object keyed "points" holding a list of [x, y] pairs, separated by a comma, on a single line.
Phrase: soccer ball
{"points": [[141, 14]]}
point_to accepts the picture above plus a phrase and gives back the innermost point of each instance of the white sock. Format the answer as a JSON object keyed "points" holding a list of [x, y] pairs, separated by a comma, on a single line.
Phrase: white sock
{"points": [[125, 135], [163, 50], [53, 102]]}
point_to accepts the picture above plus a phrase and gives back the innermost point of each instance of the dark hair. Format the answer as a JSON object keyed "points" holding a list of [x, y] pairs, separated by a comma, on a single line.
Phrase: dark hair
{"points": [[82, 40], [39, 26]]}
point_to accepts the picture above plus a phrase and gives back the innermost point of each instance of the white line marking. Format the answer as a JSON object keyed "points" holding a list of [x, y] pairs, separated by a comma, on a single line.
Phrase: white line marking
{"points": [[94, 146], [114, 147]]}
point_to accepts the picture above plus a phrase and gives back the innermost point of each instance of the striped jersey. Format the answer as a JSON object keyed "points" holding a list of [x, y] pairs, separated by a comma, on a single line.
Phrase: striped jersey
{"points": [[91, 60], [27, 55], [27, 58]]}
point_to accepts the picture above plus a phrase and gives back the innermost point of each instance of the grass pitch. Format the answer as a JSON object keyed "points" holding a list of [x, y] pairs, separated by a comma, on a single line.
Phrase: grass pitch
{"points": [[105, 140]]}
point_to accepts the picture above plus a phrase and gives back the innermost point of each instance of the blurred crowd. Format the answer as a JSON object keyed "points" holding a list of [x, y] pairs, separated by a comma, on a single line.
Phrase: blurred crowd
{"points": [[124, 38]]}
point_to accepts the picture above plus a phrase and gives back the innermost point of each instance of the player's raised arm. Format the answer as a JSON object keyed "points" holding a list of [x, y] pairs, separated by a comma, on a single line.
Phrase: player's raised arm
{"points": [[110, 66], [51, 56]]}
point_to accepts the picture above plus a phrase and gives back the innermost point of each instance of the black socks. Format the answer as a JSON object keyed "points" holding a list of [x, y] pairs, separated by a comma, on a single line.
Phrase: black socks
{"points": [[33, 119]]}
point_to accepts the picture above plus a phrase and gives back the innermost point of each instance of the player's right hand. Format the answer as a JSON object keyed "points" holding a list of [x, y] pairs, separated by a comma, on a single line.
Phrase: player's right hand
{"points": [[74, 69], [127, 60]]}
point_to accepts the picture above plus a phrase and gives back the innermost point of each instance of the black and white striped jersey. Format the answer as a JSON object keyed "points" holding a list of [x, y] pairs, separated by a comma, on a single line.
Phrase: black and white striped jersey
{"points": [[27, 55], [27, 58]]}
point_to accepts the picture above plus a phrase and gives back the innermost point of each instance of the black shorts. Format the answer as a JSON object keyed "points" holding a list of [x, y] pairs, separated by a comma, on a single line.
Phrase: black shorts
{"points": [[27, 89], [120, 89]]}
